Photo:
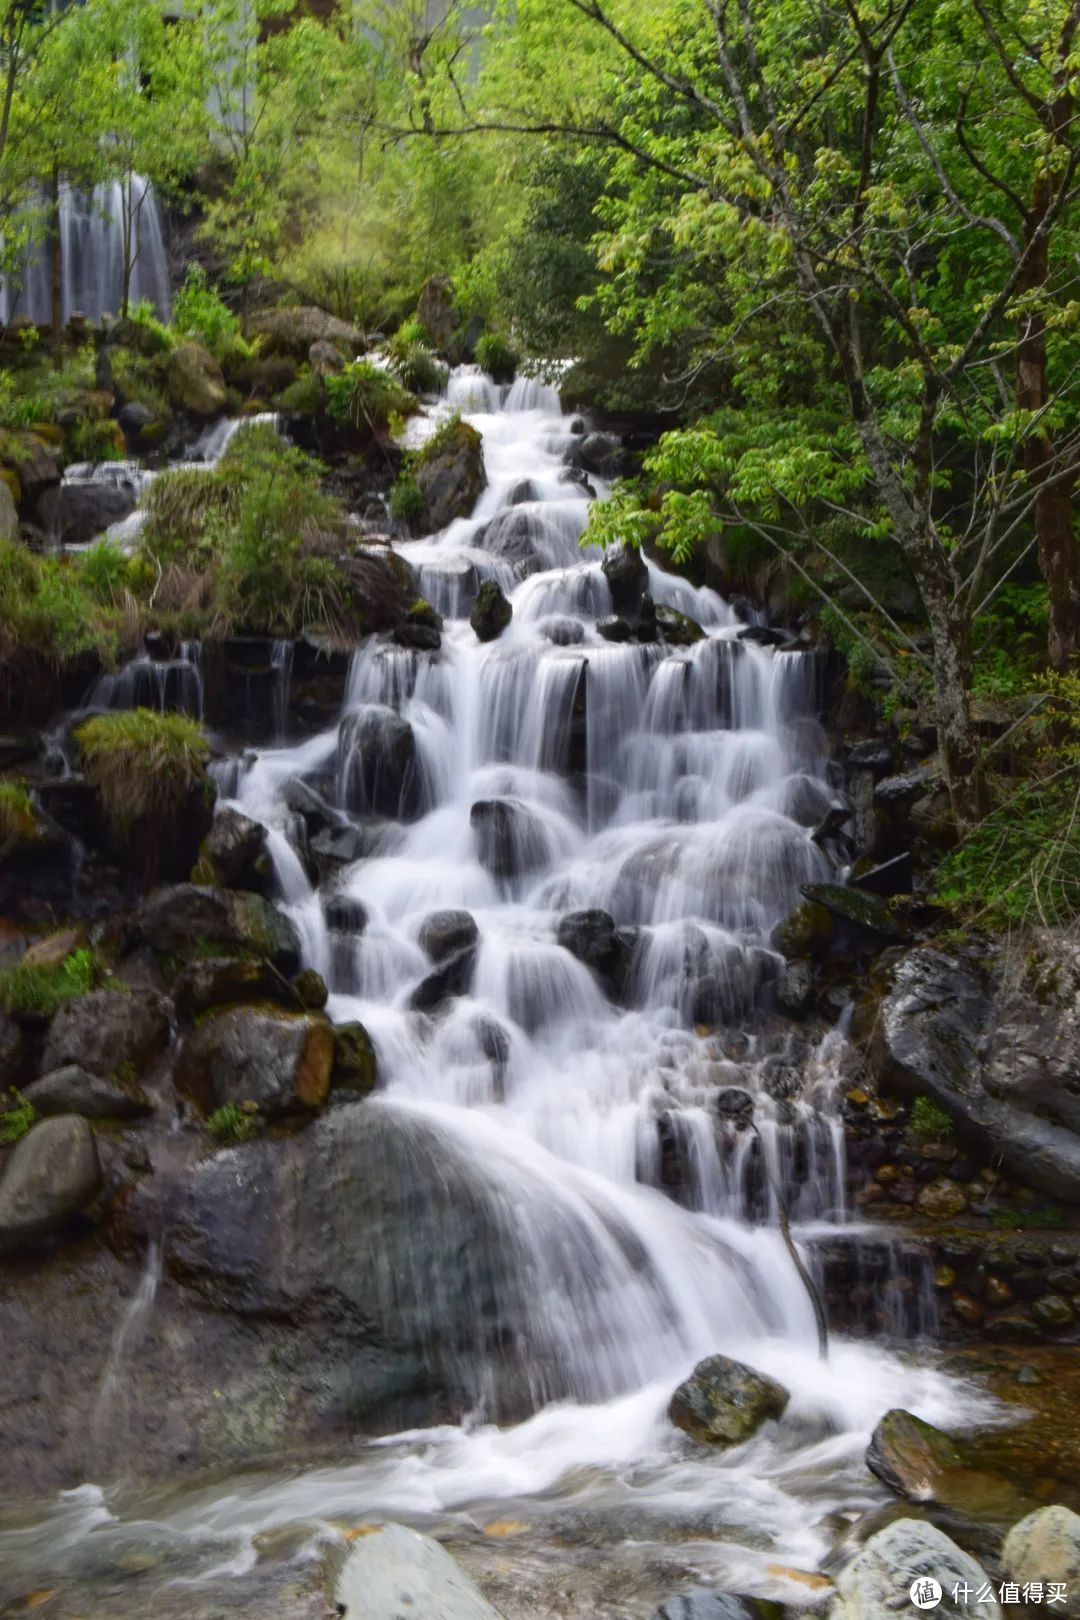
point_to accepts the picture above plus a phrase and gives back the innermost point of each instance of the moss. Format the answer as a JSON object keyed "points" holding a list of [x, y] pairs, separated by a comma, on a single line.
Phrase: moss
{"points": [[145, 767], [41, 988], [928, 1121], [497, 357], [17, 1117], [18, 823], [235, 1122], [453, 434]]}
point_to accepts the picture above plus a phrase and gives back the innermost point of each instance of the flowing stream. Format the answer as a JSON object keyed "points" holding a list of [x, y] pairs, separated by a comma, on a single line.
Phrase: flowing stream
{"points": [[550, 772]]}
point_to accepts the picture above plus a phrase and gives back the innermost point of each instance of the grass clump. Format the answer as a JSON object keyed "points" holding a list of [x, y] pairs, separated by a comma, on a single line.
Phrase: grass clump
{"points": [[407, 504], [18, 824], [497, 357], [49, 613], [201, 313], [147, 769], [928, 1121], [16, 1118], [366, 396], [41, 988], [235, 1122], [412, 360]]}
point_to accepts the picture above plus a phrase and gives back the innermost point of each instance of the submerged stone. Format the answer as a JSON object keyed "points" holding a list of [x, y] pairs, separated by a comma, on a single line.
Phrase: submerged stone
{"points": [[393, 1571]]}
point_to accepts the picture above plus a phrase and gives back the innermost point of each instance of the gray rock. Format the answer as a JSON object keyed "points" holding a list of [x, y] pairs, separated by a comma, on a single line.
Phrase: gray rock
{"points": [[108, 1032], [52, 1175], [194, 381], [613, 627], [76, 513], [293, 331], [627, 577], [453, 977], [394, 1571], [992, 1056], [491, 612], [795, 987], [705, 1605], [180, 920], [355, 1067], [232, 850], [11, 1051], [378, 762], [73, 1090], [444, 933], [510, 841], [592, 937], [279, 1061], [451, 478], [677, 630], [875, 1585], [724, 1402], [217, 981], [1046, 1547]]}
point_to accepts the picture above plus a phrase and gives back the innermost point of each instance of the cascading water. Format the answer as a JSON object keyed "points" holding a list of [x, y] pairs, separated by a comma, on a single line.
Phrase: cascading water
{"points": [[92, 257], [536, 782]]}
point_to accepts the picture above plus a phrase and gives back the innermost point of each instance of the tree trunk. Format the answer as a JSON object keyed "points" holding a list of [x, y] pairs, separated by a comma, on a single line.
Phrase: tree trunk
{"points": [[56, 266]]}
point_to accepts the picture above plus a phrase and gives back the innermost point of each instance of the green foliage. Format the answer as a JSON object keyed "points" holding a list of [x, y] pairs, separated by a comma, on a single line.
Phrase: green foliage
{"points": [[449, 434], [145, 767], [49, 613], [96, 440], [40, 988], [496, 356], [365, 396], [235, 1122], [200, 312], [154, 337], [927, 1121], [407, 504], [1047, 1216], [17, 1117], [18, 824]]}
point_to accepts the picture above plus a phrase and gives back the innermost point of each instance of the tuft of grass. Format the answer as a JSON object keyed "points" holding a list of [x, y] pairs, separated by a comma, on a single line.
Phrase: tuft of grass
{"points": [[412, 359], [365, 396], [41, 988], [235, 1122], [17, 1116], [144, 766], [928, 1121], [407, 504], [18, 823], [497, 357]]}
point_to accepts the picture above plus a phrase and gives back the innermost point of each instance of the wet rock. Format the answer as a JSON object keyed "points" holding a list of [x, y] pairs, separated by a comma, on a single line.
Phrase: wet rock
{"points": [[377, 749], [340, 846], [995, 1059], [864, 910], [395, 1570], [217, 981], [723, 1402], [876, 754], [422, 637], [310, 989], [877, 1581], [510, 842], [73, 1090], [52, 1175], [1053, 1312], [795, 987], [941, 1199], [75, 513], [628, 579], [921, 1463], [592, 937], [806, 931], [594, 453], [108, 1032], [677, 629], [445, 933], [182, 920], [831, 825], [491, 613], [279, 1061], [1045, 1547], [615, 628], [563, 632], [233, 852], [763, 635], [903, 789], [355, 1067], [345, 914], [293, 331], [733, 1104], [451, 477], [704, 1605], [194, 381], [453, 977]]}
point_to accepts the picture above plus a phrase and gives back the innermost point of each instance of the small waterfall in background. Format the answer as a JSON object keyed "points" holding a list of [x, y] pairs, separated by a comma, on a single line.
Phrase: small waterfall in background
{"points": [[92, 258]]}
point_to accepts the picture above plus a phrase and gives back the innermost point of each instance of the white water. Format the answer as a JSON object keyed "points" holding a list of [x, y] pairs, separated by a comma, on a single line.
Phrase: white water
{"points": [[678, 821]]}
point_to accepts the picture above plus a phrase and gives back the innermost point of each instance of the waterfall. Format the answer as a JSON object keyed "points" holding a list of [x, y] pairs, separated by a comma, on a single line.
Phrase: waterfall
{"points": [[92, 257]]}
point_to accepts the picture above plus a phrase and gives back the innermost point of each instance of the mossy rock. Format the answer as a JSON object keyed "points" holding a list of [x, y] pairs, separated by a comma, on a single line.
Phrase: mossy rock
{"points": [[724, 1402], [806, 931], [859, 906], [261, 1056], [355, 1067]]}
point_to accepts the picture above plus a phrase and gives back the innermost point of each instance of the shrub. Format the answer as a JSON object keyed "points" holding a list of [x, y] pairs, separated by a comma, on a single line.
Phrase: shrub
{"points": [[154, 337], [18, 823], [235, 1122], [928, 1121], [200, 312], [366, 396], [145, 767], [407, 504], [412, 359], [495, 356], [49, 613], [32, 987], [16, 1118]]}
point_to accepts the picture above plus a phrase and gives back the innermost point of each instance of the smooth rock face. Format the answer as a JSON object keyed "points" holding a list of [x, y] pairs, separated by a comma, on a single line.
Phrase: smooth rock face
{"points": [[592, 937], [723, 1402], [452, 478], [875, 1585], [179, 920], [377, 750], [279, 1061], [394, 1571], [1046, 1547], [74, 1091], [995, 1051], [107, 1031], [445, 933], [628, 579], [52, 1174], [509, 839]]}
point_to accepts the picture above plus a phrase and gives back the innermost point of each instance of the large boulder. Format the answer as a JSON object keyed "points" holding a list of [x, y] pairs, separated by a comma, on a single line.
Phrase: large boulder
{"points": [[998, 1049], [1045, 1547], [279, 1061], [77, 511], [452, 977], [491, 612], [216, 981], [378, 762], [393, 1571], [109, 1032], [52, 1175], [515, 535], [592, 937], [182, 920], [74, 1090], [194, 381], [293, 331], [510, 841], [233, 853], [628, 579], [876, 1584], [918, 1461], [444, 933], [355, 1066], [724, 1402], [450, 475]]}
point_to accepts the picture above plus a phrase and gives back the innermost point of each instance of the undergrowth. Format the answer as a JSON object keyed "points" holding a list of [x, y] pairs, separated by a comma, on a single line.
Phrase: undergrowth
{"points": [[41, 988]]}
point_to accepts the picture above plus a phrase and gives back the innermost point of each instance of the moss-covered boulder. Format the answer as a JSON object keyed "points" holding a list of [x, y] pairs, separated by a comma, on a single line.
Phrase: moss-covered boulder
{"points": [[491, 612], [277, 1061], [354, 1067], [195, 382], [724, 1402], [449, 473], [806, 931], [291, 332], [189, 921]]}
